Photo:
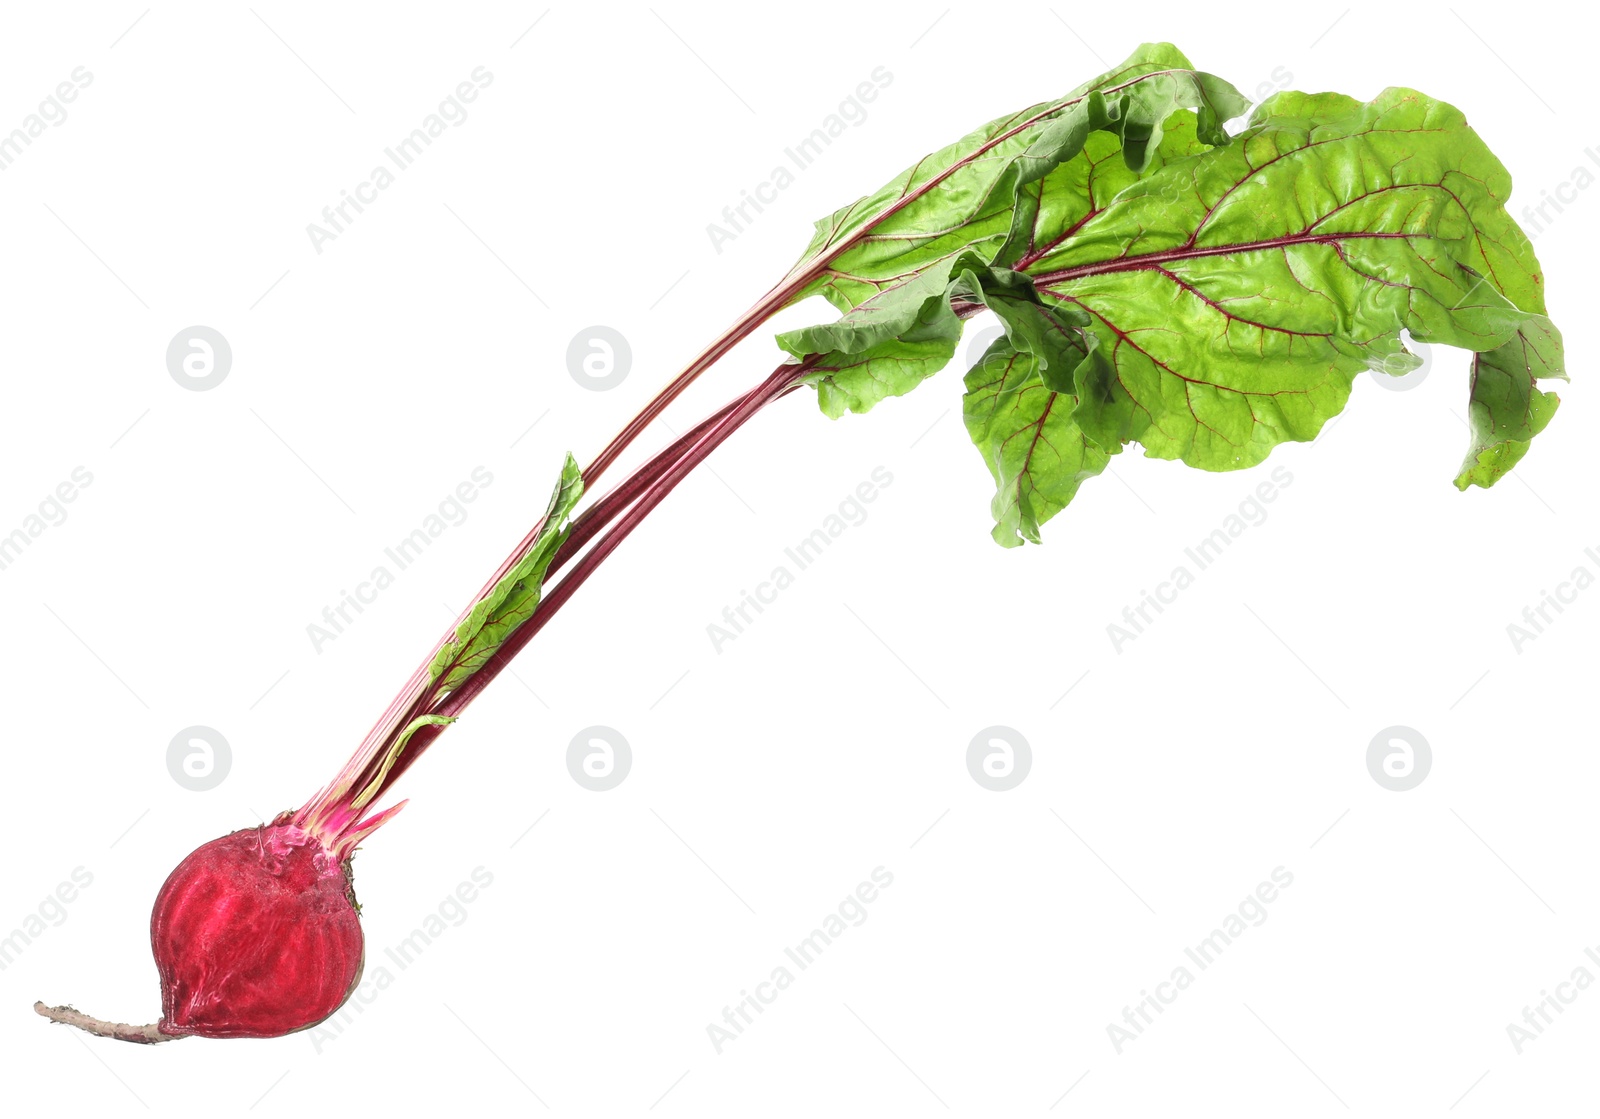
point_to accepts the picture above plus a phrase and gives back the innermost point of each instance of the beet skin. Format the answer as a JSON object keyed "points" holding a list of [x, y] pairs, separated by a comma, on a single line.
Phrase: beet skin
{"points": [[255, 935]]}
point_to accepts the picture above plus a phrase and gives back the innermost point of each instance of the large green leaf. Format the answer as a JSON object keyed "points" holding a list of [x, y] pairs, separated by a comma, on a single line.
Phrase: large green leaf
{"points": [[1035, 452], [1236, 293], [963, 196], [512, 600], [904, 333]]}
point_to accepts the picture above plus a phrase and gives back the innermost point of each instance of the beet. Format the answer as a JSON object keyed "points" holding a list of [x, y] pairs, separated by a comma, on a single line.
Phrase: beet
{"points": [[256, 934]]}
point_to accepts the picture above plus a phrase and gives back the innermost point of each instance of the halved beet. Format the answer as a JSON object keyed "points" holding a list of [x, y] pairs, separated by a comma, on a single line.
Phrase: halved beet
{"points": [[255, 934]]}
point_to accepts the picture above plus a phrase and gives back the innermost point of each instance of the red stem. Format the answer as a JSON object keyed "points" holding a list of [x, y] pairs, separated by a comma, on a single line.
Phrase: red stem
{"points": [[588, 524], [652, 485], [324, 809], [769, 304], [670, 464]]}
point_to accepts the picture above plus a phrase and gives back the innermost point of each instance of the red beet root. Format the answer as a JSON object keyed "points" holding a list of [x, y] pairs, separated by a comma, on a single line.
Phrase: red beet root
{"points": [[255, 935]]}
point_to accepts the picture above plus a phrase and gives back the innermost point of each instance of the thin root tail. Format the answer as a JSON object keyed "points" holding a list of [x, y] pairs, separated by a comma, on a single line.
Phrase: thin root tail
{"points": [[139, 1035]]}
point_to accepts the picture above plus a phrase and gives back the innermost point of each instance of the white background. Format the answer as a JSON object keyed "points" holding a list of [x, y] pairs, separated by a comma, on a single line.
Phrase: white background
{"points": [[831, 738]]}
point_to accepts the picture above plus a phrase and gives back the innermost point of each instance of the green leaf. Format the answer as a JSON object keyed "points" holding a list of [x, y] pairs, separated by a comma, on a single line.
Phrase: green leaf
{"points": [[963, 196], [512, 600], [1035, 452], [1237, 292], [1507, 408]]}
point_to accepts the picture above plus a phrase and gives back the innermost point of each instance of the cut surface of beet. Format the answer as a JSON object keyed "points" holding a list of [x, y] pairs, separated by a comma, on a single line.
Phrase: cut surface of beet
{"points": [[255, 934]]}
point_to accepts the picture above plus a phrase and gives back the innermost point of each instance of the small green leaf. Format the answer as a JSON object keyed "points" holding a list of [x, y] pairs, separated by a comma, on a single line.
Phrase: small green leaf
{"points": [[394, 752], [512, 600]]}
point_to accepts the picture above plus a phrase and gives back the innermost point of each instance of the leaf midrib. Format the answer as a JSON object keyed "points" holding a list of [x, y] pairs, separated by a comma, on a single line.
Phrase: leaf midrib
{"points": [[1145, 261]]}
